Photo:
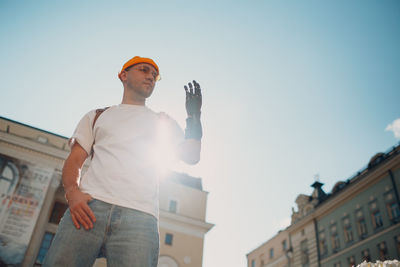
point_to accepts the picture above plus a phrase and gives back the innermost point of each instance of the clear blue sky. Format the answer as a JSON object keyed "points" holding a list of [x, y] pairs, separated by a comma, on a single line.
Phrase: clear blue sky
{"points": [[291, 89]]}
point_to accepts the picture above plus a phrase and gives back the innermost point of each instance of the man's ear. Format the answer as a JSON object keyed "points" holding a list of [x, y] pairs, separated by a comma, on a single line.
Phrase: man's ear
{"points": [[122, 75]]}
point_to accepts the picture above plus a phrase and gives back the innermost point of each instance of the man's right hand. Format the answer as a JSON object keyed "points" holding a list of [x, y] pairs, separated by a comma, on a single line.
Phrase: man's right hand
{"points": [[78, 202], [81, 213]]}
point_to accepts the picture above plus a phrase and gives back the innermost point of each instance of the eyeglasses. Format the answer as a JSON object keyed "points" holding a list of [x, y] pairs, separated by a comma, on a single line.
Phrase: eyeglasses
{"points": [[146, 69]]}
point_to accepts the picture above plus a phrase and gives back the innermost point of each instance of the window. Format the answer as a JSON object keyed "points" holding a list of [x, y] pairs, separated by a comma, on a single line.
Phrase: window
{"points": [[44, 247], [335, 242], [382, 251], [362, 228], [394, 212], [351, 260], [348, 233], [397, 244], [168, 239], [57, 212], [376, 216], [377, 219], [304, 253], [361, 224], [392, 207], [337, 264], [323, 248], [8, 176], [284, 245], [165, 261], [271, 253], [365, 255], [253, 263], [173, 204]]}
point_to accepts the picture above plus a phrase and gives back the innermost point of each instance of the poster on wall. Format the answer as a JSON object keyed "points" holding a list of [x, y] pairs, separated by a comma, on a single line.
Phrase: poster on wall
{"points": [[23, 187]]}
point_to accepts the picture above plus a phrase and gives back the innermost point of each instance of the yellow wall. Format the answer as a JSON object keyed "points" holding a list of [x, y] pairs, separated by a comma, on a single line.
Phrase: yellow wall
{"points": [[183, 245], [191, 202]]}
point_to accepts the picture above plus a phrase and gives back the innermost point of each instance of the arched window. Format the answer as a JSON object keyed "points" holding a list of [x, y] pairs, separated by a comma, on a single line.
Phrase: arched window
{"points": [[8, 177], [167, 261]]}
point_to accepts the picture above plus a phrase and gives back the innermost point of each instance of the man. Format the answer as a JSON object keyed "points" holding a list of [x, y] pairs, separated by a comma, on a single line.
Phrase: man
{"points": [[113, 208]]}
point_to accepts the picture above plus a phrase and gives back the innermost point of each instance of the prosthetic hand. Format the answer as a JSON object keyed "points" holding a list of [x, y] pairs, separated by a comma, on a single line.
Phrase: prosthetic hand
{"points": [[193, 108]]}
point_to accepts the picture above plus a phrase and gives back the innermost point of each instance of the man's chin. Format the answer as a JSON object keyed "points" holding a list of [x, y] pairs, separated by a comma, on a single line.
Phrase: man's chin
{"points": [[147, 94]]}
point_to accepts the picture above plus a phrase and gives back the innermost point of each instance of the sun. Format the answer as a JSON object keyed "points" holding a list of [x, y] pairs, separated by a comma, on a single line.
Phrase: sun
{"points": [[164, 155]]}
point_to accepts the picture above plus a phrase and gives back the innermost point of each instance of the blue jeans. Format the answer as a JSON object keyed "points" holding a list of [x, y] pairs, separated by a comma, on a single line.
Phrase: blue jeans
{"points": [[126, 237]]}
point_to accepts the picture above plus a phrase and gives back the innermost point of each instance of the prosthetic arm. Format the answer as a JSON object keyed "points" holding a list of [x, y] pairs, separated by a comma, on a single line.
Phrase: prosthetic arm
{"points": [[193, 108]]}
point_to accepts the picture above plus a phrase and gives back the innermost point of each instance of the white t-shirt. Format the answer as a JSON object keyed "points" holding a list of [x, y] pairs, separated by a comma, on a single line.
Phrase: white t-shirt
{"points": [[123, 169]]}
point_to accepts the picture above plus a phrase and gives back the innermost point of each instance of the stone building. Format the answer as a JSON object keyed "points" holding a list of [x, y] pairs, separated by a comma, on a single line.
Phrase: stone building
{"points": [[358, 220], [32, 201], [274, 252]]}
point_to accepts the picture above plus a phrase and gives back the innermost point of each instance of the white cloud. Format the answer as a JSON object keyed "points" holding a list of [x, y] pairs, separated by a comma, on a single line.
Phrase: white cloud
{"points": [[394, 127]]}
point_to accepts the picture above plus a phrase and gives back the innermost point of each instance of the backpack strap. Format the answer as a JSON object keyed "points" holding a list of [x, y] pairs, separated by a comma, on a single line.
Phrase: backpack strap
{"points": [[98, 113]]}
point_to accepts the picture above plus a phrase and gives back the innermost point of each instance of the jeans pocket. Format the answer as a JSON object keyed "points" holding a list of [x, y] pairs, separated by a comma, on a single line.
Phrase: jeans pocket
{"points": [[90, 202]]}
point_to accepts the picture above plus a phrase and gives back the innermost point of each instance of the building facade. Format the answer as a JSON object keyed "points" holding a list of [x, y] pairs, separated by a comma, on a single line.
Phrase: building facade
{"points": [[274, 252], [358, 220], [32, 201]]}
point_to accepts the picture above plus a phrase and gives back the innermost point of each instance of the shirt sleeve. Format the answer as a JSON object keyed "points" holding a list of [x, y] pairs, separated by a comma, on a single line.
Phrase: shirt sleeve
{"points": [[83, 133]]}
